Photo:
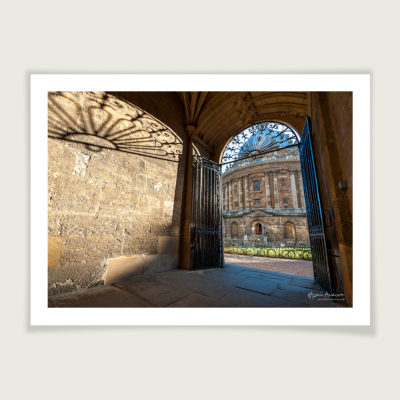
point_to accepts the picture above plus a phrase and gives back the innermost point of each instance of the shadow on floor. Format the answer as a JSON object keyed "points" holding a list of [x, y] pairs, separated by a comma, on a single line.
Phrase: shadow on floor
{"points": [[231, 286]]}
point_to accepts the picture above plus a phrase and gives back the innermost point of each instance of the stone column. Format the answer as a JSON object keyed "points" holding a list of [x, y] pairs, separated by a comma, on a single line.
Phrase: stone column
{"points": [[240, 191], [246, 192], [276, 191], [267, 191], [300, 192], [271, 187], [184, 240], [294, 189], [229, 196]]}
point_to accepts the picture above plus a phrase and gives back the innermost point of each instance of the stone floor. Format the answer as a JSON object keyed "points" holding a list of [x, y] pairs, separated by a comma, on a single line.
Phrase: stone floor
{"points": [[283, 265], [231, 286]]}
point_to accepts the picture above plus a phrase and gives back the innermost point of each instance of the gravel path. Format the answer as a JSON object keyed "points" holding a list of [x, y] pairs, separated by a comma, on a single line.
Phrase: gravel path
{"points": [[285, 266]]}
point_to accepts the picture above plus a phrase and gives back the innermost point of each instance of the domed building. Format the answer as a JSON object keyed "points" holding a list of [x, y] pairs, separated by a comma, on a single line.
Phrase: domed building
{"points": [[263, 199]]}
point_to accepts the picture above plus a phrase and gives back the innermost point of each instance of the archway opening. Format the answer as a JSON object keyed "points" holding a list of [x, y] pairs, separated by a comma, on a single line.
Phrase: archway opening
{"points": [[264, 216]]}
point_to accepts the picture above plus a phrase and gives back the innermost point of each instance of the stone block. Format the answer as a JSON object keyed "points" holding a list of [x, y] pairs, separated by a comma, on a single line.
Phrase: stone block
{"points": [[99, 297], [168, 245], [122, 267], [54, 251], [156, 293]]}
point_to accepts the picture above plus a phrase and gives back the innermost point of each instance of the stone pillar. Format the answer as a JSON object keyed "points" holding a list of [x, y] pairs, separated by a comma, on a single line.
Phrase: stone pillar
{"points": [[267, 191], [271, 187], [276, 190], [184, 240], [246, 192], [240, 192], [294, 189], [300, 192], [229, 196]]}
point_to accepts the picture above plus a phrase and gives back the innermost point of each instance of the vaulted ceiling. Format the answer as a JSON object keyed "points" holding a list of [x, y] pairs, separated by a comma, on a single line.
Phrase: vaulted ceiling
{"points": [[215, 117], [218, 116]]}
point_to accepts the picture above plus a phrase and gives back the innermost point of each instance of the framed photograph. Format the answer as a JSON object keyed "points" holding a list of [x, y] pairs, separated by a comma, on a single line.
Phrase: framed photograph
{"points": [[200, 199]]}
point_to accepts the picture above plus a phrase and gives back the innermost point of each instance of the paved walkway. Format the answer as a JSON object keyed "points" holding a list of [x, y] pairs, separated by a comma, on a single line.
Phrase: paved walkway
{"points": [[283, 265], [231, 286]]}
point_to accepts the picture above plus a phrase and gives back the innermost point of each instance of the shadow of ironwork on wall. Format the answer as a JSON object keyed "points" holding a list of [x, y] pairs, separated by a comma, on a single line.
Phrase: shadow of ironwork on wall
{"points": [[100, 120]]}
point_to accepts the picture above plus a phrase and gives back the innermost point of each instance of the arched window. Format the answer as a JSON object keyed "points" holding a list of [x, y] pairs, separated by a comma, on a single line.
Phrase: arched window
{"points": [[290, 232], [234, 229]]}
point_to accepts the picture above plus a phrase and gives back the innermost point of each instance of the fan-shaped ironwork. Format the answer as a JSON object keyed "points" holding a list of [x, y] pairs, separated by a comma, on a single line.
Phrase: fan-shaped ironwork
{"points": [[258, 140]]}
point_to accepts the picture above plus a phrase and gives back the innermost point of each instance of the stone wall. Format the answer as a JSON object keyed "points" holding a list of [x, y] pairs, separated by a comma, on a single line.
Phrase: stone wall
{"points": [[108, 208], [273, 227]]}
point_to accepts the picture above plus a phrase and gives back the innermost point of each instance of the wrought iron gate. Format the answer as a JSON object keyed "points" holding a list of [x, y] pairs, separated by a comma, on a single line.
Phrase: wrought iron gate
{"points": [[314, 210], [206, 215]]}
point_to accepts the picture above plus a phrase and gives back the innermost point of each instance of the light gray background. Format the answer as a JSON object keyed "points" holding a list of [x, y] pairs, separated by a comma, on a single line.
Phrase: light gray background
{"points": [[182, 37]]}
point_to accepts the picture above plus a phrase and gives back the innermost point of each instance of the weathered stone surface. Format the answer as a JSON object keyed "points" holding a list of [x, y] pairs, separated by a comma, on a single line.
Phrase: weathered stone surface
{"points": [[103, 203], [258, 285], [180, 288], [54, 251], [107, 296], [196, 284], [244, 298], [153, 291], [197, 300]]}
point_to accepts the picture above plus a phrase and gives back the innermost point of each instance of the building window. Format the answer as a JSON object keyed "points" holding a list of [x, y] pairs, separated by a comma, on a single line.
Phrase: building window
{"points": [[236, 205], [235, 190], [256, 185], [285, 203], [257, 202]]}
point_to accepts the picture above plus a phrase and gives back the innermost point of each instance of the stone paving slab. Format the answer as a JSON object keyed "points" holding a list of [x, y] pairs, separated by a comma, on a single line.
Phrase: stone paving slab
{"points": [[157, 293], [244, 298], [105, 296], [197, 300], [258, 286], [223, 277], [195, 284], [231, 286]]}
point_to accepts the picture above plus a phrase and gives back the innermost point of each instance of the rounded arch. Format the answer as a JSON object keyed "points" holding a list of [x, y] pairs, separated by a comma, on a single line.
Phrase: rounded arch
{"points": [[234, 229], [244, 134], [225, 114], [257, 227], [101, 120], [289, 232]]}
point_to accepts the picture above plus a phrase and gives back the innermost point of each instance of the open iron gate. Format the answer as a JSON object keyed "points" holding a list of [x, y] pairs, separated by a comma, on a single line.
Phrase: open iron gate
{"points": [[314, 210], [206, 214]]}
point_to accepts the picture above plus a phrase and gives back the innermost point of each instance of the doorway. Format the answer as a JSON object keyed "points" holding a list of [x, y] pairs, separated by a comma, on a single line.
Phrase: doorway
{"points": [[268, 181]]}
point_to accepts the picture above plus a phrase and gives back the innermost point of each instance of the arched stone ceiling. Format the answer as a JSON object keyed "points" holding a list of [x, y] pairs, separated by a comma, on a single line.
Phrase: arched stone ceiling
{"points": [[218, 116]]}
